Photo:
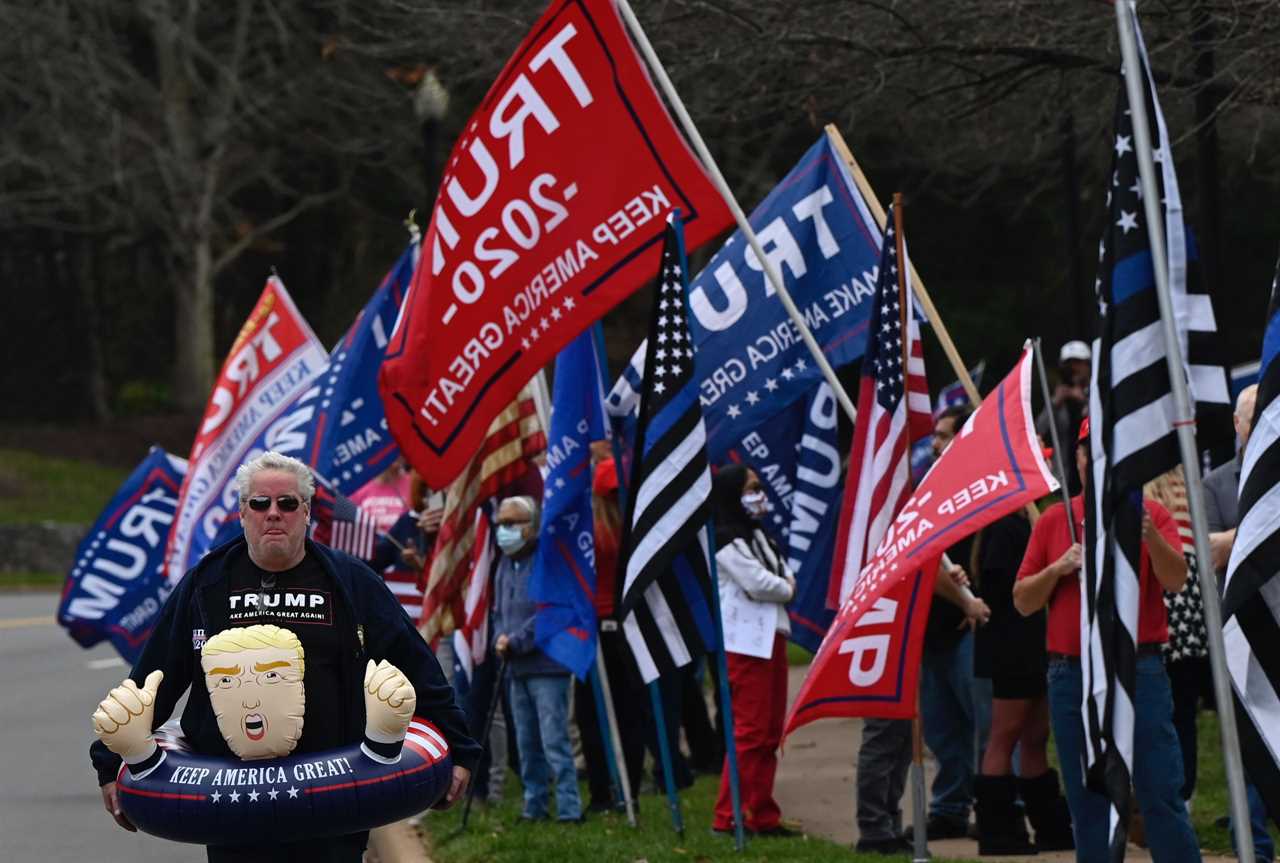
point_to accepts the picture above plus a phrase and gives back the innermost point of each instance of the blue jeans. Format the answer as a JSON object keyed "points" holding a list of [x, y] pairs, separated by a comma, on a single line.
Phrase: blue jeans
{"points": [[946, 707], [540, 713], [1157, 765]]}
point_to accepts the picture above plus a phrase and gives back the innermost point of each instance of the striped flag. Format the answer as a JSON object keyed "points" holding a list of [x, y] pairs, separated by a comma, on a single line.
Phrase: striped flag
{"points": [[1251, 602], [894, 412], [514, 437], [1202, 350], [471, 638], [341, 524], [666, 592], [1132, 441]]}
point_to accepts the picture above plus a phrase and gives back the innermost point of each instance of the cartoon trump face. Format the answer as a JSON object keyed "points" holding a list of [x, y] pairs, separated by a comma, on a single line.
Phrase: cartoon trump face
{"points": [[254, 676]]}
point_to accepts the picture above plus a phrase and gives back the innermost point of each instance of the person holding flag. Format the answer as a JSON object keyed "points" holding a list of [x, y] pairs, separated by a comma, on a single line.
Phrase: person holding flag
{"points": [[563, 582], [1049, 575], [755, 586]]}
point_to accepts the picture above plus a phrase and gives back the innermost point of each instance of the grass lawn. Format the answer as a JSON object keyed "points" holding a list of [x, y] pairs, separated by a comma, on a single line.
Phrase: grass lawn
{"points": [[31, 580], [1211, 789], [38, 488], [493, 835]]}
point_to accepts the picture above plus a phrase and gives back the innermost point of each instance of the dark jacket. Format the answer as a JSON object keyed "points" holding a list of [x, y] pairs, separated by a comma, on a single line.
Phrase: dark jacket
{"points": [[513, 615], [378, 629], [1221, 487]]}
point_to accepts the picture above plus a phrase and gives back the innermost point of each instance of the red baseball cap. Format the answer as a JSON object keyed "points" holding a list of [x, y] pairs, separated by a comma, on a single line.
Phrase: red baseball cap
{"points": [[605, 479]]}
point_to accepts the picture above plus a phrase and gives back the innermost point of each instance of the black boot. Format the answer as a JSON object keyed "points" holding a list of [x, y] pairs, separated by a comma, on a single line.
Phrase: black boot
{"points": [[1047, 811], [1001, 830]]}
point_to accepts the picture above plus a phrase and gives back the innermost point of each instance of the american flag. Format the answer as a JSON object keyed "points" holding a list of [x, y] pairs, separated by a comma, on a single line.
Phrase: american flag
{"points": [[1132, 441], [342, 525], [666, 591], [515, 436], [1251, 602], [894, 412], [471, 638]]}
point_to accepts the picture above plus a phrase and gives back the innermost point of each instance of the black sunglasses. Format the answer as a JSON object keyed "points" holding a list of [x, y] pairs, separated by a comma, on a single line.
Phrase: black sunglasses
{"points": [[286, 502]]}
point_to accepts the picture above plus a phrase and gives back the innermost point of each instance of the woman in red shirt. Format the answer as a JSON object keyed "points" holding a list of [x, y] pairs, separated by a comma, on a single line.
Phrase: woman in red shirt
{"points": [[1050, 575]]}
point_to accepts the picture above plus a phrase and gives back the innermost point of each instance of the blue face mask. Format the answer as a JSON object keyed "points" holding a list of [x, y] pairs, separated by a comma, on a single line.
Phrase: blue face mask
{"points": [[510, 539]]}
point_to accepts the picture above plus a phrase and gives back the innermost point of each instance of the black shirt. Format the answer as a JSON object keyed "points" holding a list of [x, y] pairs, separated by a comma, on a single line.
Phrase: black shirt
{"points": [[1010, 644], [945, 626], [300, 600]]}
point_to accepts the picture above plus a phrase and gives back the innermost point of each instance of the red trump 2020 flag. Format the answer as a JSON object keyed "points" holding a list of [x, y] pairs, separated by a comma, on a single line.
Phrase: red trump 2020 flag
{"points": [[551, 210], [866, 665]]}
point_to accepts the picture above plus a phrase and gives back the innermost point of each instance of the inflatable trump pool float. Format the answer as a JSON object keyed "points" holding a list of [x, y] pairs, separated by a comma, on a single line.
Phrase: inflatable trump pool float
{"points": [[266, 794]]}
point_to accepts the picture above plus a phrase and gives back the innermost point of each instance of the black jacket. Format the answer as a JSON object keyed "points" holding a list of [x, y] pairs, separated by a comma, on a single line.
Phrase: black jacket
{"points": [[379, 629]]}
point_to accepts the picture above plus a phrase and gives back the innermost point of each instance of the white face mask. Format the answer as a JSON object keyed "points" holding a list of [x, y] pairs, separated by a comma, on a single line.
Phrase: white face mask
{"points": [[755, 503]]}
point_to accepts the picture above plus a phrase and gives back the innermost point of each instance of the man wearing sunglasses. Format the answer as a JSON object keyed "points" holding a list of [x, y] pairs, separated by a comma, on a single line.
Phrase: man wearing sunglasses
{"points": [[342, 613]]}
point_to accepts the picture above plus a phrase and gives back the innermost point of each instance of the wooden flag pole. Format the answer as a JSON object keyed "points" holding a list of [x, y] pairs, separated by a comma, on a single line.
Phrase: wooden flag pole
{"points": [[1126, 17], [717, 179], [608, 722], [917, 285], [935, 319], [919, 834]]}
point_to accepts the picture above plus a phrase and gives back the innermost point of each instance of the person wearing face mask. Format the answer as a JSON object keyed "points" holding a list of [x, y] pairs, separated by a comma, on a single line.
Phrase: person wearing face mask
{"points": [[538, 685], [753, 576]]}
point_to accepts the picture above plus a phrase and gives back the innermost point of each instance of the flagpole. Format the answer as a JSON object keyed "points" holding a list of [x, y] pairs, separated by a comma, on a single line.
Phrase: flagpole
{"points": [[655, 696], [1185, 428], [1059, 458], [726, 699], [619, 759], [917, 285], [664, 753], [919, 831], [717, 179], [610, 712]]}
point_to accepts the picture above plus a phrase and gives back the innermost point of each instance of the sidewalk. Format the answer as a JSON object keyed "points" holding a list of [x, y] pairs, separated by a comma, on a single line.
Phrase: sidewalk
{"points": [[815, 786]]}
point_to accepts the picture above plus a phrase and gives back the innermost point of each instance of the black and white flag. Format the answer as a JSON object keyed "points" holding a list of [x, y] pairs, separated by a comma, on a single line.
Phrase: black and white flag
{"points": [[1251, 601], [1132, 441], [666, 603]]}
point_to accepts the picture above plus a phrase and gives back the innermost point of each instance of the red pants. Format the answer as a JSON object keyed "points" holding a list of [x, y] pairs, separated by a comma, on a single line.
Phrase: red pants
{"points": [[758, 688]]}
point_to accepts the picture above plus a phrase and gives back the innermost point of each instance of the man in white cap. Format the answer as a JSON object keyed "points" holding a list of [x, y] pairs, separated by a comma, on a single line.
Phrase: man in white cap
{"points": [[1071, 396]]}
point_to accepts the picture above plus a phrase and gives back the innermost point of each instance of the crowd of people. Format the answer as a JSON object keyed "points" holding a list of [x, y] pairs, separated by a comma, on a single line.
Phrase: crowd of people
{"points": [[1000, 670]]}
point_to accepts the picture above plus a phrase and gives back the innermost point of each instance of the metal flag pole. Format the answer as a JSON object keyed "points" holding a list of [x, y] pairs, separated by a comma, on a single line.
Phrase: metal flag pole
{"points": [[664, 754], [1059, 459], [919, 819], [488, 728], [619, 760], [655, 695], [1126, 17], [700, 147], [726, 700]]}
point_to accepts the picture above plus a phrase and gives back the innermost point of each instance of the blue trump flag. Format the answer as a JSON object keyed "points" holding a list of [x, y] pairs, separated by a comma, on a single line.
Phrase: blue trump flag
{"points": [[350, 443], [337, 425], [116, 585], [564, 573], [794, 453], [749, 361]]}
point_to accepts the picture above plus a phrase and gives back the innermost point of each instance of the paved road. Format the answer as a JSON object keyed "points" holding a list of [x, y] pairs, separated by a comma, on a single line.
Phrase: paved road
{"points": [[50, 807]]}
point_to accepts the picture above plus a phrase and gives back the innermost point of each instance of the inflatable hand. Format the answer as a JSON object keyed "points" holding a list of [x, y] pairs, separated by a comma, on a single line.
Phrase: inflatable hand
{"points": [[123, 719], [389, 700]]}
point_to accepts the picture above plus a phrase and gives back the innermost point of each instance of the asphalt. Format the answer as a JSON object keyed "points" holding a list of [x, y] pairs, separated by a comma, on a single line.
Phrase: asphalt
{"points": [[50, 806]]}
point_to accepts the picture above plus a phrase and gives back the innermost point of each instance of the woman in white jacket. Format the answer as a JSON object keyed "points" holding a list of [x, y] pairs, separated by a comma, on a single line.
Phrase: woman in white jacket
{"points": [[755, 586]]}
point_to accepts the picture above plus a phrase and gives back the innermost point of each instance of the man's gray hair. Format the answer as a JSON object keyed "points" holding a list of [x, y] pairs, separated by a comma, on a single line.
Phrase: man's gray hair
{"points": [[275, 461], [528, 504]]}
